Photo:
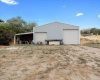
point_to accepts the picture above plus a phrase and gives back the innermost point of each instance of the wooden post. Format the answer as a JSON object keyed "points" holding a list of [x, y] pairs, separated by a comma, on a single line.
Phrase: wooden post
{"points": [[14, 39]]}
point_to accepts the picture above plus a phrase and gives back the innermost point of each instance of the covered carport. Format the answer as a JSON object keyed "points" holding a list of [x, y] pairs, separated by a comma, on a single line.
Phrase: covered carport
{"points": [[23, 38]]}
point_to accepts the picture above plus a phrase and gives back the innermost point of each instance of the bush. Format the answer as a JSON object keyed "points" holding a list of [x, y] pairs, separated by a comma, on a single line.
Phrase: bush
{"points": [[5, 36]]}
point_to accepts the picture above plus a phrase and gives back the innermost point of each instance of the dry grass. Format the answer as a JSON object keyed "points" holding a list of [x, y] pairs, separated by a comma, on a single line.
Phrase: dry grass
{"points": [[91, 41], [32, 62], [92, 37]]}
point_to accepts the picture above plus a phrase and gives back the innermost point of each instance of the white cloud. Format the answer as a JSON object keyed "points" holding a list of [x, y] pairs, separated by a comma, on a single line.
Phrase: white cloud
{"points": [[99, 16], [79, 14], [11, 2]]}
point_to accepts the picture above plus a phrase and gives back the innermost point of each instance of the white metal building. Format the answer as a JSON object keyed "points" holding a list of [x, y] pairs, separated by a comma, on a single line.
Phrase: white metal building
{"points": [[56, 33]]}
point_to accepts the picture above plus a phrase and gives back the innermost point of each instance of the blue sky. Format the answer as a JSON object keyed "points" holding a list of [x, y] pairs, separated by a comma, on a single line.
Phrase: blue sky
{"points": [[83, 13]]}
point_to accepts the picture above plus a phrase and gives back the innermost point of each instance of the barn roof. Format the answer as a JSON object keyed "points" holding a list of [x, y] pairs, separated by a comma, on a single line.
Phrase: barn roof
{"points": [[57, 23]]}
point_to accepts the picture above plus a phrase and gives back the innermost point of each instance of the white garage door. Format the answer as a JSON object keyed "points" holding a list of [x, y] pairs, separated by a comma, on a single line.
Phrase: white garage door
{"points": [[39, 36], [71, 37]]}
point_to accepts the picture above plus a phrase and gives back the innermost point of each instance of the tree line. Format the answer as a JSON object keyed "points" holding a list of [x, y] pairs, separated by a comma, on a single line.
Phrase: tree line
{"points": [[14, 26], [93, 31]]}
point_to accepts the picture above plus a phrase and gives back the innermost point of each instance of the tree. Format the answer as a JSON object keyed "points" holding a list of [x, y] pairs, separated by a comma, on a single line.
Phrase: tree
{"points": [[6, 34], [13, 26], [1, 20], [95, 31], [16, 22], [29, 26]]}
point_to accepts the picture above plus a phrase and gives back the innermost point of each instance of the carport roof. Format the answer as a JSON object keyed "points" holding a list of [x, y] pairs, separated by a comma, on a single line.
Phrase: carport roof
{"points": [[53, 39], [24, 33]]}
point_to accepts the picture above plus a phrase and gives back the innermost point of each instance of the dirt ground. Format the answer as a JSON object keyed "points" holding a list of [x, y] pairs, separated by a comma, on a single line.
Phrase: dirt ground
{"points": [[64, 62], [93, 45]]}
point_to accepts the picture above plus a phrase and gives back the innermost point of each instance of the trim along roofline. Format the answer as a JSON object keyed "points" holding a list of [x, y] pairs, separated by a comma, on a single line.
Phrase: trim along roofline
{"points": [[24, 33]]}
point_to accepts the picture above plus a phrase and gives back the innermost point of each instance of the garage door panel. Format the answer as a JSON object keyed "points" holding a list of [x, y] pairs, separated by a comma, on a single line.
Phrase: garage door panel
{"points": [[40, 37], [71, 37]]}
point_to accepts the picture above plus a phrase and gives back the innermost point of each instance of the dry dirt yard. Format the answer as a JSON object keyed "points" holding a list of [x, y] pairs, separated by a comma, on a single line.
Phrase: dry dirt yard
{"points": [[65, 62]]}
